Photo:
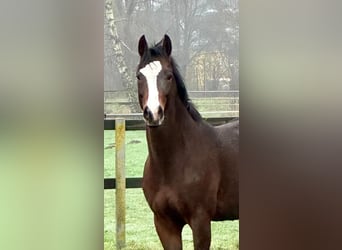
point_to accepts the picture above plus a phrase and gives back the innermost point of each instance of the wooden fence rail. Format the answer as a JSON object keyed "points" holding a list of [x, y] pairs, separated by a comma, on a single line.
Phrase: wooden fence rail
{"points": [[135, 121], [132, 182]]}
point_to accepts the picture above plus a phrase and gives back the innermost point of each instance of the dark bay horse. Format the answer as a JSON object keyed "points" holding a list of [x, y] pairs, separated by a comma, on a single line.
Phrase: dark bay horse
{"points": [[191, 173]]}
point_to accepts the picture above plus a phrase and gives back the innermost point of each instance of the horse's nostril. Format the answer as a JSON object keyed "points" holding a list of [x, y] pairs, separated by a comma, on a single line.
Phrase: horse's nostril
{"points": [[147, 113], [153, 118]]}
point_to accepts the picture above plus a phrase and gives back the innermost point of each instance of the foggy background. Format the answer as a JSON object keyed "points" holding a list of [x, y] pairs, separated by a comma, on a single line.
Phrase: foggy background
{"points": [[205, 39]]}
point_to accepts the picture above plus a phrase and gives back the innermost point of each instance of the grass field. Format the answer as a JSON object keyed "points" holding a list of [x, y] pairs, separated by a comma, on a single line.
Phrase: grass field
{"points": [[140, 232]]}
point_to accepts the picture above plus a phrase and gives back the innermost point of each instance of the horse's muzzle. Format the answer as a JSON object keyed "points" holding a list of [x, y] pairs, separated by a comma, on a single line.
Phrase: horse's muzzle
{"points": [[153, 118]]}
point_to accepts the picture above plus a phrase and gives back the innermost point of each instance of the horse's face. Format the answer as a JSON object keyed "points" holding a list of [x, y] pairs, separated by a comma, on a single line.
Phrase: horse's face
{"points": [[154, 84], [155, 79]]}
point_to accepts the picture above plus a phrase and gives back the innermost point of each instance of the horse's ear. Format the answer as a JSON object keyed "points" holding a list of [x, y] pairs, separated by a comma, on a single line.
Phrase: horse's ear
{"points": [[142, 47], [167, 45]]}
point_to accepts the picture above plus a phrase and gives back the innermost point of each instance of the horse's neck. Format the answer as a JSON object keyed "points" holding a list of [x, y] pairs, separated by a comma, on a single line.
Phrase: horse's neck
{"points": [[171, 138]]}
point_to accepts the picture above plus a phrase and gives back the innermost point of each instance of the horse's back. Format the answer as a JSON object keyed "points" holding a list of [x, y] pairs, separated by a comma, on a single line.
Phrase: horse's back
{"points": [[229, 133], [228, 193]]}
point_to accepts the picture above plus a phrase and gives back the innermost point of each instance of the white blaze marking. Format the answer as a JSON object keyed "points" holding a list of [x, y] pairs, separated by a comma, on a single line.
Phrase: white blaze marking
{"points": [[151, 71]]}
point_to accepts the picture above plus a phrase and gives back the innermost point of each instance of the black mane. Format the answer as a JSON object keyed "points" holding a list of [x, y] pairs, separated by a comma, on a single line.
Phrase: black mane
{"points": [[157, 51]]}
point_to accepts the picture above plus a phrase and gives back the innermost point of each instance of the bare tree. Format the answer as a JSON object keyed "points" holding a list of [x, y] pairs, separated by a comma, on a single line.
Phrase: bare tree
{"points": [[119, 58], [199, 27]]}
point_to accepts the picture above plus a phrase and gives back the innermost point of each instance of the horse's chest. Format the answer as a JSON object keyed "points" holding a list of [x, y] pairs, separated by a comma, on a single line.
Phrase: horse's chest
{"points": [[167, 201]]}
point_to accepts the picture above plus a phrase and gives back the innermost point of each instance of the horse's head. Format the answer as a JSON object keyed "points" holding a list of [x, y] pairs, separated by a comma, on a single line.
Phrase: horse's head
{"points": [[155, 78]]}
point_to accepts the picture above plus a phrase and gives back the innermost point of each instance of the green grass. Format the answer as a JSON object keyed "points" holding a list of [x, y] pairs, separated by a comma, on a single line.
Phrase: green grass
{"points": [[140, 231], [136, 153]]}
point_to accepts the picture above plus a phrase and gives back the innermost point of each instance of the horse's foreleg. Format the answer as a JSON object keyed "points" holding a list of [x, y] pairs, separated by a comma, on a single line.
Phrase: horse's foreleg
{"points": [[169, 232], [201, 231]]}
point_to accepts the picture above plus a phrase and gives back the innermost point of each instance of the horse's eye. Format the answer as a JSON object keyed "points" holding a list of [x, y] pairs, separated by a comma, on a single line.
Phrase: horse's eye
{"points": [[138, 77], [169, 77]]}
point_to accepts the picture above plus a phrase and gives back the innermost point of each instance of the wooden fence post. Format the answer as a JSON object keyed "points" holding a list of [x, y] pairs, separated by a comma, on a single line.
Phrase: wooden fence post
{"points": [[120, 190]]}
